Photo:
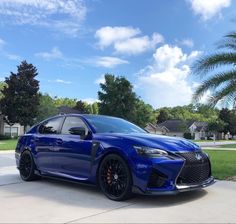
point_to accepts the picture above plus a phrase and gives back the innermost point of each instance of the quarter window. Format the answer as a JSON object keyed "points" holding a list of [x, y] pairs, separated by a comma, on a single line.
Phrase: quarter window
{"points": [[72, 122], [51, 126]]}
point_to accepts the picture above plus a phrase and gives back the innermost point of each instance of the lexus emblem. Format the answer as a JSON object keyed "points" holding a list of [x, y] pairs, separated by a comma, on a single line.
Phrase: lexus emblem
{"points": [[198, 156]]}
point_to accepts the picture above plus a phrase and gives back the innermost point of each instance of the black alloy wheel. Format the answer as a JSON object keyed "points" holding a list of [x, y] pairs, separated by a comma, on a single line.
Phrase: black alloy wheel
{"points": [[114, 178], [27, 167]]}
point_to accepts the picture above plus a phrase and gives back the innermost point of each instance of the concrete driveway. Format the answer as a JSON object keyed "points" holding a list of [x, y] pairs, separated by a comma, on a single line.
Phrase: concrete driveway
{"points": [[58, 202]]}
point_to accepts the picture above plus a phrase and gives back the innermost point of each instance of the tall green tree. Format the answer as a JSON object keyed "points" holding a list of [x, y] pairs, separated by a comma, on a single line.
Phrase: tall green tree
{"points": [[2, 85], [58, 101], [21, 97], [221, 83], [117, 97], [216, 126], [229, 118], [82, 107], [46, 107], [143, 113], [162, 116]]}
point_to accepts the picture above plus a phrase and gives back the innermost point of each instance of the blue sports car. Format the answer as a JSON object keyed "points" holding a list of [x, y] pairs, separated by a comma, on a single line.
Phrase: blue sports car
{"points": [[118, 156]]}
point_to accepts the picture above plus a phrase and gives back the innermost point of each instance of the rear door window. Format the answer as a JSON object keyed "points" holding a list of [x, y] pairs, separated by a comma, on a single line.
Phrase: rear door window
{"points": [[51, 126]]}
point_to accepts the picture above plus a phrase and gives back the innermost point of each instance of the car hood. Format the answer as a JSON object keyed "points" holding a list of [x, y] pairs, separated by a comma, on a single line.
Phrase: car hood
{"points": [[171, 144]]}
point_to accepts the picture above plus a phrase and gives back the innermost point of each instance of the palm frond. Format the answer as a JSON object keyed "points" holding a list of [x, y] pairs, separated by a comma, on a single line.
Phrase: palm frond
{"points": [[226, 94], [213, 82], [229, 42], [209, 62], [227, 45], [231, 35]]}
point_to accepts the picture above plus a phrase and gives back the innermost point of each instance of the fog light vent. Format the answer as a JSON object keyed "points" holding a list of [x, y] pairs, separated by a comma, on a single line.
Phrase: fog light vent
{"points": [[157, 179]]}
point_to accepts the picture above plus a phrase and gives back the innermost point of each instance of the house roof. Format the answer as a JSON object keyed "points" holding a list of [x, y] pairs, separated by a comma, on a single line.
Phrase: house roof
{"points": [[174, 125], [67, 110], [177, 125], [200, 125]]}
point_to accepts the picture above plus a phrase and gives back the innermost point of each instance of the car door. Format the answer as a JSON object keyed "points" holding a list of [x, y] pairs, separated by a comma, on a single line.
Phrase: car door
{"points": [[74, 154], [45, 142]]}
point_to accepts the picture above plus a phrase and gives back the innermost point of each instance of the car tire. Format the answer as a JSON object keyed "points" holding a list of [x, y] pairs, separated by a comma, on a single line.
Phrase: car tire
{"points": [[114, 178], [27, 167]]}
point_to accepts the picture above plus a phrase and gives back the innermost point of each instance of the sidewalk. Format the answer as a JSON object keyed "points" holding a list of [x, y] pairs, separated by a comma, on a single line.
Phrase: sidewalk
{"points": [[219, 149]]}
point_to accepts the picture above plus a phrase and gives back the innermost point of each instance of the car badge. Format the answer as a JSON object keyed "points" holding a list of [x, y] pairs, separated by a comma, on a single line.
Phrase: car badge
{"points": [[198, 156]]}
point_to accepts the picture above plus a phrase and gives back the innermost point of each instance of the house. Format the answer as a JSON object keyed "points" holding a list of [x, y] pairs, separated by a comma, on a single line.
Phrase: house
{"points": [[15, 130], [176, 127], [155, 129], [199, 130]]}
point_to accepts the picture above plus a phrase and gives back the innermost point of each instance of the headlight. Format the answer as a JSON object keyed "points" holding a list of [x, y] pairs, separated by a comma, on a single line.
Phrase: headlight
{"points": [[148, 151]]}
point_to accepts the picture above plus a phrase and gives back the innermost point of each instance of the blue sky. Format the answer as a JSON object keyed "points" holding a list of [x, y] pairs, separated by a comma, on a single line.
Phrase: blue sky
{"points": [[73, 43]]}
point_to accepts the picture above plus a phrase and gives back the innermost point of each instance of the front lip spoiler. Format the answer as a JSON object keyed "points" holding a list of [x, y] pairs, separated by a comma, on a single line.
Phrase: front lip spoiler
{"points": [[206, 183], [179, 188]]}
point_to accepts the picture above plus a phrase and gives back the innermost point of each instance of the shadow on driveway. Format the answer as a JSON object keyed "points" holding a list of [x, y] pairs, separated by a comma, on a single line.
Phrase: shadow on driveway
{"points": [[89, 196]]}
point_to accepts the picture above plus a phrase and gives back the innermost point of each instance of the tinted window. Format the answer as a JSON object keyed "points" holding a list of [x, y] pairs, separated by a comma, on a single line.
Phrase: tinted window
{"points": [[72, 122], [51, 126], [105, 124]]}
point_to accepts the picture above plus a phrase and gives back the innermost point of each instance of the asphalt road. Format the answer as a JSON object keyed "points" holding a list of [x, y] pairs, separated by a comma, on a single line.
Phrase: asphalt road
{"points": [[58, 202]]}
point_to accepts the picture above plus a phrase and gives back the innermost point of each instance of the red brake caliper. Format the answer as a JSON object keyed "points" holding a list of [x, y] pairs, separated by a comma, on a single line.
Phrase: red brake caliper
{"points": [[109, 176]]}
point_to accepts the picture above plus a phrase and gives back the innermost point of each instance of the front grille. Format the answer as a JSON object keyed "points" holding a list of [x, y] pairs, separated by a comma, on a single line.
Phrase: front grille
{"points": [[196, 168]]}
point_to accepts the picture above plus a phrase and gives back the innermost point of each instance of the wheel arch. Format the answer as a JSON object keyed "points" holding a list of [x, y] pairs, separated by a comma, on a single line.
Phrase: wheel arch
{"points": [[27, 148], [115, 151]]}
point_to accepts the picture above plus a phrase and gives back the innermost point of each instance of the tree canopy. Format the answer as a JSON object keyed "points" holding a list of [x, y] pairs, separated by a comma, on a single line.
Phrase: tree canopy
{"points": [[21, 98], [117, 97], [46, 107]]}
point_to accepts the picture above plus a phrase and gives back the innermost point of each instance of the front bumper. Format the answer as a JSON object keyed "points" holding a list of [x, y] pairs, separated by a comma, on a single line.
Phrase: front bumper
{"points": [[178, 188]]}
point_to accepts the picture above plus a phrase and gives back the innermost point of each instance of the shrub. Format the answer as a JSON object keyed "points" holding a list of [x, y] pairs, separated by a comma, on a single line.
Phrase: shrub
{"points": [[187, 135]]}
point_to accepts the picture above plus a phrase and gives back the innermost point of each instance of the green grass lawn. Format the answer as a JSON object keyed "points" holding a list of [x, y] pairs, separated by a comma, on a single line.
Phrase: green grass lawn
{"points": [[9, 144], [223, 163]]}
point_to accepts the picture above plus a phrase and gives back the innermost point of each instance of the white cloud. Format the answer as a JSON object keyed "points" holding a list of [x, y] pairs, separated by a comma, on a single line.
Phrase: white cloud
{"points": [[109, 35], [208, 9], [90, 100], [60, 15], [60, 81], [107, 62], [137, 45], [164, 83], [126, 40], [55, 53]]}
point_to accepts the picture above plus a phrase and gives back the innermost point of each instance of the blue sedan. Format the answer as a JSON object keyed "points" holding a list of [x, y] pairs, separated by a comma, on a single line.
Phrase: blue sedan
{"points": [[118, 156]]}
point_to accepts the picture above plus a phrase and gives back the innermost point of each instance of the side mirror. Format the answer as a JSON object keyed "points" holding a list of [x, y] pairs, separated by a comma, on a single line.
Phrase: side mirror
{"points": [[78, 131]]}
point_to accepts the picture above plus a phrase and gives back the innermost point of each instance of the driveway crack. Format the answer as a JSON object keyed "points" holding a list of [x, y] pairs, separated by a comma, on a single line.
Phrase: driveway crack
{"points": [[106, 211]]}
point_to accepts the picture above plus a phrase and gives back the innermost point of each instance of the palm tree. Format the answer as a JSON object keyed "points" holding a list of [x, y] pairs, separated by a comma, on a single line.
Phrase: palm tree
{"points": [[222, 82]]}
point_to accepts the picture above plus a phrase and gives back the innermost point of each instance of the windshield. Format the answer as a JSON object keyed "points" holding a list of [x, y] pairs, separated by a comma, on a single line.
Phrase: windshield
{"points": [[105, 124]]}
